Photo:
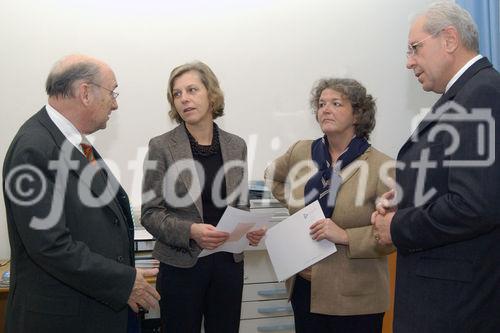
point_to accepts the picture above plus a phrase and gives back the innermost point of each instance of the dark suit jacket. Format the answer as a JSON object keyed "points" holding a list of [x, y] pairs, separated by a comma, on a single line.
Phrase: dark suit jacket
{"points": [[166, 219], [448, 237], [76, 275]]}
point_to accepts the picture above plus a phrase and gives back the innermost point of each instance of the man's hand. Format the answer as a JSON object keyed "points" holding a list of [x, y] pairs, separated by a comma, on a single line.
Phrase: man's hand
{"points": [[382, 227], [327, 229], [207, 236], [388, 201], [255, 236], [143, 294]]}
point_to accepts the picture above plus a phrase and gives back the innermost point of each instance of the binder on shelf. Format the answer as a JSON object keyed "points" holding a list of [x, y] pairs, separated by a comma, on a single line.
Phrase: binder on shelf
{"points": [[144, 245], [146, 263], [144, 255], [143, 240]]}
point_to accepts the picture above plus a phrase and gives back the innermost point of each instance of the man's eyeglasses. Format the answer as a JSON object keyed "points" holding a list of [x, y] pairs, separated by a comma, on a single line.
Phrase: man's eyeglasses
{"points": [[412, 48], [113, 93]]}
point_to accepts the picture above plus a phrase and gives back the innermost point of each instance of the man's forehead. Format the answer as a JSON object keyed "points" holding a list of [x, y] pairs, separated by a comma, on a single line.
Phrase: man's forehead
{"points": [[108, 74], [417, 28]]}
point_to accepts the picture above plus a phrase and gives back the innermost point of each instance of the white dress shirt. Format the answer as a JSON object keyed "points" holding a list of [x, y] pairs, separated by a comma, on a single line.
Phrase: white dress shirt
{"points": [[462, 70], [66, 127]]}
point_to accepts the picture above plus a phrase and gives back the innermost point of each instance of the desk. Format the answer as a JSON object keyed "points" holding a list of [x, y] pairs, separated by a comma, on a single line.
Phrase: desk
{"points": [[4, 292]]}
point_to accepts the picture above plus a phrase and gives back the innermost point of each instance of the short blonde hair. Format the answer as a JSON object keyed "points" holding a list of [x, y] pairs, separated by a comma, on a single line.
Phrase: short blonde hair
{"points": [[209, 80]]}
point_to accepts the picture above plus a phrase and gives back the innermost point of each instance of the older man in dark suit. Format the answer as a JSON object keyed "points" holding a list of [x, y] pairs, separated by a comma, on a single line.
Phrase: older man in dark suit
{"points": [[447, 224], [69, 221]]}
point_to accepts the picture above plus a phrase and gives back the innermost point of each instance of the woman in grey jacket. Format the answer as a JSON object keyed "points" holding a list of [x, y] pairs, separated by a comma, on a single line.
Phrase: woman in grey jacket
{"points": [[192, 173]]}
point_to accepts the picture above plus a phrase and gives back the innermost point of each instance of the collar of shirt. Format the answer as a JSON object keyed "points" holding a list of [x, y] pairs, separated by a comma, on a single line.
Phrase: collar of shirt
{"points": [[461, 71], [65, 126]]}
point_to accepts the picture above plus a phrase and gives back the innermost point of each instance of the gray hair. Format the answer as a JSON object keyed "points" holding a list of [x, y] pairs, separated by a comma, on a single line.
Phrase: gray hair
{"points": [[61, 79], [446, 13], [363, 104]]}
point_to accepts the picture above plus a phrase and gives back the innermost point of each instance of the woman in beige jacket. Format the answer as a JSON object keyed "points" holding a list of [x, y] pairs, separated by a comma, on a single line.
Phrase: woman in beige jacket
{"points": [[349, 290]]}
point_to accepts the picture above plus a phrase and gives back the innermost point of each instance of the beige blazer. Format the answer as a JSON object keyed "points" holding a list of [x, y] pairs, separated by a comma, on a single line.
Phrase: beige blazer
{"points": [[355, 279], [168, 220]]}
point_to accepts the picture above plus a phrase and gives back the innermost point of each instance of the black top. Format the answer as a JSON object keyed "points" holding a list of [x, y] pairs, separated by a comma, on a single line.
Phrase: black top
{"points": [[210, 157]]}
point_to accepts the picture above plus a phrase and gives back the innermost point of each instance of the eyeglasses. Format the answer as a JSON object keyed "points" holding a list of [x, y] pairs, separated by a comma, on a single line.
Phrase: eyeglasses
{"points": [[412, 48], [114, 94]]}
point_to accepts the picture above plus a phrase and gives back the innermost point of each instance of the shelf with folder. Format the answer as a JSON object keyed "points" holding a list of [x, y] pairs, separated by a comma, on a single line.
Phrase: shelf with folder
{"points": [[143, 252], [144, 243], [146, 263], [143, 240]]}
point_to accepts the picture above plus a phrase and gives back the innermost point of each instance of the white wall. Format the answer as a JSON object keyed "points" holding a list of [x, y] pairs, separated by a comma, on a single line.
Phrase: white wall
{"points": [[266, 53]]}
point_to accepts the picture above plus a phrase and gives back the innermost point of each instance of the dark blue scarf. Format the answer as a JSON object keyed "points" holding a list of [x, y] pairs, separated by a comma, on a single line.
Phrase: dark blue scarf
{"points": [[324, 184]]}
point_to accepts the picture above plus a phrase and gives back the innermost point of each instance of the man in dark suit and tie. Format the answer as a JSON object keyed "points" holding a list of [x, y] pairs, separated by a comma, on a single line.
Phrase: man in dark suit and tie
{"points": [[69, 220], [446, 226]]}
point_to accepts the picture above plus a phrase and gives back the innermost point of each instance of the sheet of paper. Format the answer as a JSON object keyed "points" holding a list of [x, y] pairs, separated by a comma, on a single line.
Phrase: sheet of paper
{"points": [[290, 245], [238, 223]]}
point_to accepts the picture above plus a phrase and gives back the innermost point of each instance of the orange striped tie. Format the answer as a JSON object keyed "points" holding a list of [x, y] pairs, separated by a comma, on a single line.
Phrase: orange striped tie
{"points": [[89, 153]]}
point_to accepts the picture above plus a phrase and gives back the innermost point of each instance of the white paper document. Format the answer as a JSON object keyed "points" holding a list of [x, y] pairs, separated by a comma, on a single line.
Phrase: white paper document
{"points": [[238, 223], [290, 245]]}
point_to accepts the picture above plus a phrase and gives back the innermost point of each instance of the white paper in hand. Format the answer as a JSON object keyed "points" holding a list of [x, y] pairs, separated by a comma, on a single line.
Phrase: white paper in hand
{"points": [[238, 223], [290, 245]]}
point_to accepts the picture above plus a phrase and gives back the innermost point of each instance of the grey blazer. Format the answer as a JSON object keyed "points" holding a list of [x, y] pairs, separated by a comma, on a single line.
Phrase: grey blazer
{"points": [[172, 193]]}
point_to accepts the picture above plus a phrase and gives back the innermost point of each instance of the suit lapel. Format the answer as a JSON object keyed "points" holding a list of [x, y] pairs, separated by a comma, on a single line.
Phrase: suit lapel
{"points": [[425, 123], [347, 174], [180, 149], [104, 178], [229, 153], [74, 158], [67, 151]]}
